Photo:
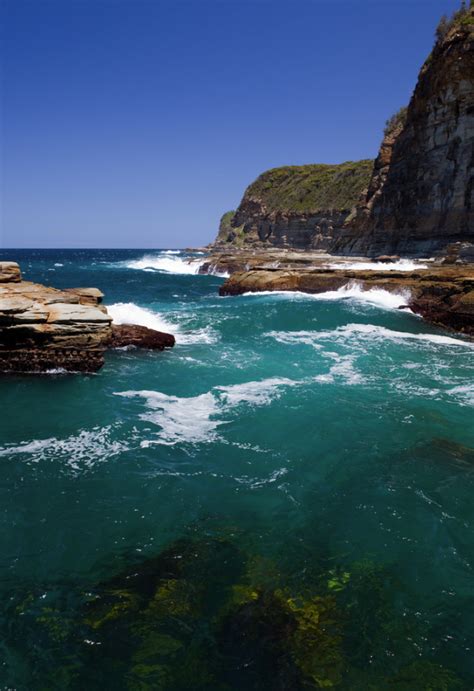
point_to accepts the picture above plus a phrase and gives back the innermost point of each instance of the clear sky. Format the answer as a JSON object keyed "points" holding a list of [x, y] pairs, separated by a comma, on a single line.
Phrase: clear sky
{"points": [[137, 123]]}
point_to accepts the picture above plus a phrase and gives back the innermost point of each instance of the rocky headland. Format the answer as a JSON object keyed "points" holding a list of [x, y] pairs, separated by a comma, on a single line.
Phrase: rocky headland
{"points": [[303, 207], [415, 199], [295, 225], [45, 329]]}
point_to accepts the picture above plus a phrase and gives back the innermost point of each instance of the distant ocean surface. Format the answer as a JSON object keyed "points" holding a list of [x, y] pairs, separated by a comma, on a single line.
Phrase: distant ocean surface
{"points": [[284, 500]]}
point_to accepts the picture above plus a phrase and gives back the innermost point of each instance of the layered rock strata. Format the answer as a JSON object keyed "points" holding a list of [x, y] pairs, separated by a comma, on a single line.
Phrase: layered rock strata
{"points": [[44, 329], [421, 195], [416, 199], [442, 295]]}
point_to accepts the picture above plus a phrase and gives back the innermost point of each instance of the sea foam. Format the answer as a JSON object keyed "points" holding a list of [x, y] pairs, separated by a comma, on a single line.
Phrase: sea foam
{"points": [[130, 313], [196, 419], [78, 452], [167, 264], [351, 291], [351, 332]]}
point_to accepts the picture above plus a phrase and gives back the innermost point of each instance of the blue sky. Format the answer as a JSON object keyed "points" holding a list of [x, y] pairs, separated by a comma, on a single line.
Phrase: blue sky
{"points": [[137, 123]]}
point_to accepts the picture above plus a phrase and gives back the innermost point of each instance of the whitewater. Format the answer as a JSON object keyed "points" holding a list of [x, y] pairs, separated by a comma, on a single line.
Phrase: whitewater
{"points": [[316, 450]]}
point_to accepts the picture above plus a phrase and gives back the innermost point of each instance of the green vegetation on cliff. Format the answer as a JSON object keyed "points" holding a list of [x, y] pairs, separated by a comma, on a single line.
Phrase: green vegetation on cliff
{"points": [[397, 120], [228, 232], [461, 17], [311, 188]]}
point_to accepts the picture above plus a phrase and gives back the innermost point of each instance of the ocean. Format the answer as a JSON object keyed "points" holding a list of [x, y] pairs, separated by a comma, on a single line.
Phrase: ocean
{"points": [[282, 501]]}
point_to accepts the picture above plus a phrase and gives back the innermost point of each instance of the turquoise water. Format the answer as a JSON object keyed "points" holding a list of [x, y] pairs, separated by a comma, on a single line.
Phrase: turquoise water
{"points": [[282, 501]]}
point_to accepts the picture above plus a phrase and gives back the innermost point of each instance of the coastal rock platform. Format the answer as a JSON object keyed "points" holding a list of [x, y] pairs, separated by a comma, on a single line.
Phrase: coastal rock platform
{"points": [[442, 295]]}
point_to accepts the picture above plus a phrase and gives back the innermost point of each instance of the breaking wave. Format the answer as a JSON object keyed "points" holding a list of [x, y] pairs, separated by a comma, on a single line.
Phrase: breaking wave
{"points": [[167, 264], [349, 332], [353, 291], [129, 313]]}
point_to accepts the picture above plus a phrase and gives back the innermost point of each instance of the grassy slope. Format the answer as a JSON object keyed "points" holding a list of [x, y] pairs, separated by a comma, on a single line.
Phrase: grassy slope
{"points": [[314, 187]]}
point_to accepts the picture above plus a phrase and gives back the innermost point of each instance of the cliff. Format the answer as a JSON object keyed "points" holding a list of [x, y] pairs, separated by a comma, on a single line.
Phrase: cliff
{"points": [[421, 194], [296, 206], [417, 198]]}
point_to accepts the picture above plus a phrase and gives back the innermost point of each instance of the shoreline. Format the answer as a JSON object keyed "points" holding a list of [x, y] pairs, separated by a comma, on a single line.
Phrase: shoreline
{"points": [[439, 291]]}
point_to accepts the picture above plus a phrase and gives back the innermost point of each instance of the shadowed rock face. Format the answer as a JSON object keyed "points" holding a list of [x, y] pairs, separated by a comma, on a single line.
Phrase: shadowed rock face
{"points": [[126, 335], [421, 196]]}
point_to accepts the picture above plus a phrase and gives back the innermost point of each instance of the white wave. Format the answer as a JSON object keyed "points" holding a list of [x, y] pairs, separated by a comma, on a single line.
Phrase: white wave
{"points": [[167, 264], [369, 332], [58, 264], [171, 252], [351, 291], [213, 271], [255, 392], [464, 393], [195, 419], [129, 313], [296, 337], [382, 333], [181, 419], [373, 296], [342, 371], [78, 451], [206, 335], [399, 265]]}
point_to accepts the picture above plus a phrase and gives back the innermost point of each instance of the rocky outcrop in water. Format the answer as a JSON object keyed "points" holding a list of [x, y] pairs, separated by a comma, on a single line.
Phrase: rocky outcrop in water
{"points": [[44, 329], [134, 335]]}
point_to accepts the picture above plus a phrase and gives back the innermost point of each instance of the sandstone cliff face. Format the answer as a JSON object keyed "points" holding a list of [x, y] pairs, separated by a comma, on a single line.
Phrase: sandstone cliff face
{"points": [[421, 195], [304, 207]]}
